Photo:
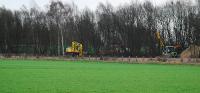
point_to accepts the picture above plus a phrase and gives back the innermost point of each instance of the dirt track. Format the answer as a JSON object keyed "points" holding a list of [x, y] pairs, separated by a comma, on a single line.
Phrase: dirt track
{"points": [[114, 59], [147, 60]]}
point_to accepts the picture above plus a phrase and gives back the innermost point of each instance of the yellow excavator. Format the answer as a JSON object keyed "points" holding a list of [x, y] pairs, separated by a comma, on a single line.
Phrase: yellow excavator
{"points": [[76, 49], [167, 51]]}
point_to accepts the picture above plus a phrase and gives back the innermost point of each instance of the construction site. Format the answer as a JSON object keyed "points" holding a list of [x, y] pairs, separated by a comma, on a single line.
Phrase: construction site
{"points": [[99, 46]]}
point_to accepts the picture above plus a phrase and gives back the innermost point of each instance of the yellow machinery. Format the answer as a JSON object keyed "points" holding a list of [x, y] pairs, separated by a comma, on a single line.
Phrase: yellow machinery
{"points": [[160, 40], [169, 51], [76, 49]]}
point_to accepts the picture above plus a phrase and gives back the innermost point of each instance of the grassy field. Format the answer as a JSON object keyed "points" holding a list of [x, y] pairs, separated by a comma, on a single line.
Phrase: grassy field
{"points": [[40, 76]]}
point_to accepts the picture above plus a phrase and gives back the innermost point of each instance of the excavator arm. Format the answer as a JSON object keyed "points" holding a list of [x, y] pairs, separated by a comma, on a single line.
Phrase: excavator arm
{"points": [[160, 40]]}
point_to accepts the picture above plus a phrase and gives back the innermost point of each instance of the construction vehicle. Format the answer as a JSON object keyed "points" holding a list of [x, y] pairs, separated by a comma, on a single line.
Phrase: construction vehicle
{"points": [[167, 51], [76, 49]]}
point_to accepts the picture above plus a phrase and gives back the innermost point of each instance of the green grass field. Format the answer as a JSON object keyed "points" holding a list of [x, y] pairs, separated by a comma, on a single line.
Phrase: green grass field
{"points": [[40, 76]]}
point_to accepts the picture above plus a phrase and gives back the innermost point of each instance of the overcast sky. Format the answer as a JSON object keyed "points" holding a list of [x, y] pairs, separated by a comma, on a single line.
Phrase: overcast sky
{"points": [[92, 4]]}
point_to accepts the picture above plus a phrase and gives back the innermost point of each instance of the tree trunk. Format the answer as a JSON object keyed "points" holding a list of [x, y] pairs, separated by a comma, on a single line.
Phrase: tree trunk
{"points": [[62, 42], [58, 44]]}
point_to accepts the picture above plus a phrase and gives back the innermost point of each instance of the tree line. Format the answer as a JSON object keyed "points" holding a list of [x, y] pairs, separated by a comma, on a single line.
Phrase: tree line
{"points": [[129, 28]]}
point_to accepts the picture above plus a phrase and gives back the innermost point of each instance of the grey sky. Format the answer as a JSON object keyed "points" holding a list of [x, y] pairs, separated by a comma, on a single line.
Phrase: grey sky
{"points": [[92, 4]]}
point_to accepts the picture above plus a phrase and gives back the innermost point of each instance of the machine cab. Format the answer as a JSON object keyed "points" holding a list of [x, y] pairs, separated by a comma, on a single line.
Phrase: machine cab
{"points": [[170, 51]]}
